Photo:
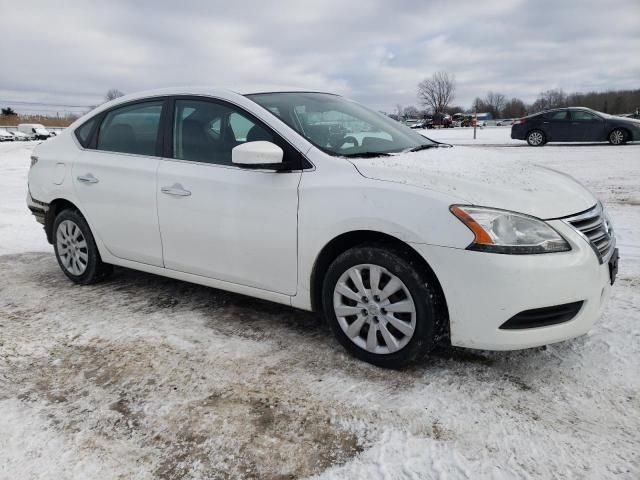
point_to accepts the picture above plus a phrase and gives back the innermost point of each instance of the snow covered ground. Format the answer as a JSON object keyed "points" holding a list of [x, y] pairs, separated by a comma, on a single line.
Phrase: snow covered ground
{"points": [[144, 377], [498, 136]]}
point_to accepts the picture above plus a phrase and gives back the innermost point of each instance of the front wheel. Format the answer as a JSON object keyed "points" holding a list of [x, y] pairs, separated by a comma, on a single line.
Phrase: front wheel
{"points": [[617, 137], [379, 307], [76, 250], [536, 138]]}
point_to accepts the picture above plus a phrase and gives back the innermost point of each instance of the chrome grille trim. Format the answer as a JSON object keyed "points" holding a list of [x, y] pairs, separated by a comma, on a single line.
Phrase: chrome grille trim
{"points": [[593, 226]]}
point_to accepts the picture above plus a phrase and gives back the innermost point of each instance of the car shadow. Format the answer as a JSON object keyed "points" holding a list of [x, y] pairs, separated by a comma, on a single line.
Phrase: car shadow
{"points": [[305, 337]]}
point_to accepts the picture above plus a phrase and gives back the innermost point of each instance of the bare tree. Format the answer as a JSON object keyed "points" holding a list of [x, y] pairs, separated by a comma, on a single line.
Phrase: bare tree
{"points": [[112, 94], [479, 106], [411, 112], [514, 108], [550, 99], [495, 102], [437, 92], [453, 109]]}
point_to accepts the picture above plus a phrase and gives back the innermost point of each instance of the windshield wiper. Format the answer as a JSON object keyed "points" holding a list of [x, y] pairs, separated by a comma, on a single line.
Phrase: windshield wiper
{"points": [[422, 147], [366, 155]]}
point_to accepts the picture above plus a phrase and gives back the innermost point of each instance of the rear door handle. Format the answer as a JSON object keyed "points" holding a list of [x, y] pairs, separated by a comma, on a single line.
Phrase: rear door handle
{"points": [[176, 189], [88, 178]]}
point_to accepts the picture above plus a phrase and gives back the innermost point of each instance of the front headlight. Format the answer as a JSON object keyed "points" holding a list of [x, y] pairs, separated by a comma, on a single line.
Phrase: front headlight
{"points": [[501, 231]]}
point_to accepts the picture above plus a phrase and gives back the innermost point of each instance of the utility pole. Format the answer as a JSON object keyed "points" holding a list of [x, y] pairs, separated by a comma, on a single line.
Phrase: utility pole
{"points": [[475, 119]]}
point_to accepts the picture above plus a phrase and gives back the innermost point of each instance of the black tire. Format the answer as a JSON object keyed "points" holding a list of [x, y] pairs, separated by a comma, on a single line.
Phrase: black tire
{"points": [[424, 296], [618, 136], [536, 138], [96, 270]]}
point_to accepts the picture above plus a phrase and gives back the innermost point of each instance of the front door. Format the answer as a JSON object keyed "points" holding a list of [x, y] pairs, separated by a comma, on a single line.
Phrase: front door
{"points": [[589, 126], [115, 182], [219, 220]]}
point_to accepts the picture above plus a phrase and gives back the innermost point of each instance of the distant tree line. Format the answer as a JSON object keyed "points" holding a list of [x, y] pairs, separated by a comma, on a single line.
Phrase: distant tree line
{"points": [[436, 95]]}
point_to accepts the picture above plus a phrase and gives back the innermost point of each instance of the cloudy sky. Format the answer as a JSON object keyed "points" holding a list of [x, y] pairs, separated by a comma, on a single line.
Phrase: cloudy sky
{"points": [[374, 51]]}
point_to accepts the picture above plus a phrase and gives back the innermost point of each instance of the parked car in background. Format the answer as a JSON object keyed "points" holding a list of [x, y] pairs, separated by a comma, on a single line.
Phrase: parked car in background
{"points": [[575, 124], [19, 136], [504, 122], [415, 123], [5, 136], [36, 130], [440, 121], [375, 230]]}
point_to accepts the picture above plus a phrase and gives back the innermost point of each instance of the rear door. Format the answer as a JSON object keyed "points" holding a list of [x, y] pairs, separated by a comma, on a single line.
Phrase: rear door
{"points": [[589, 126], [115, 180], [557, 126], [219, 220]]}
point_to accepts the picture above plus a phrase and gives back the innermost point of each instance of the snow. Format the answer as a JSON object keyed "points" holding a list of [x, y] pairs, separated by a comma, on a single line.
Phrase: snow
{"points": [[17, 230], [497, 136], [146, 377]]}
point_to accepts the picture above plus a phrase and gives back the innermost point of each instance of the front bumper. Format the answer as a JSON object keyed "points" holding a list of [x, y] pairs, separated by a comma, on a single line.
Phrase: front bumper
{"points": [[484, 290]]}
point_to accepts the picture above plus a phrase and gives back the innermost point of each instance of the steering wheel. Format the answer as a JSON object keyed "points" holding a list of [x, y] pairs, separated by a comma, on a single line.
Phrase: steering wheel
{"points": [[347, 139]]}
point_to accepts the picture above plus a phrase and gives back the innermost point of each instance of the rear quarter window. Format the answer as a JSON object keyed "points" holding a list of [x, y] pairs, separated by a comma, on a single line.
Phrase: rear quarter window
{"points": [[83, 133]]}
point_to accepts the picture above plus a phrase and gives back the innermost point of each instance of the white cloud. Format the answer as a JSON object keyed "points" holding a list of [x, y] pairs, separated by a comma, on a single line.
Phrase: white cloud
{"points": [[373, 51]]}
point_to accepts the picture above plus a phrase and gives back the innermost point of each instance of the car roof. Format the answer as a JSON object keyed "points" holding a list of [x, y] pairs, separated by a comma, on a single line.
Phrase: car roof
{"points": [[205, 90], [197, 90]]}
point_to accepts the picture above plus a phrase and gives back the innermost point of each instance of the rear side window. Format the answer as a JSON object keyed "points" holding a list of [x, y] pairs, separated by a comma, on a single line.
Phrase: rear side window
{"points": [[561, 115], [83, 133], [131, 129]]}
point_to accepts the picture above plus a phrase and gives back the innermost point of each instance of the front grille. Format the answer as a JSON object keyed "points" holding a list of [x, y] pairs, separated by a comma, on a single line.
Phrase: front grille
{"points": [[542, 317], [595, 227]]}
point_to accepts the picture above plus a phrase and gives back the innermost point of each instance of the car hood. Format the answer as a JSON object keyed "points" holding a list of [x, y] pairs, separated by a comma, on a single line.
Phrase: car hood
{"points": [[483, 177]]}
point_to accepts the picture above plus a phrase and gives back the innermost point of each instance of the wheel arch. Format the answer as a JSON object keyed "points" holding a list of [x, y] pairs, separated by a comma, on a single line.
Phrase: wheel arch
{"points": [[347, 240], [624, 128], [538, 128], [55, 207]]}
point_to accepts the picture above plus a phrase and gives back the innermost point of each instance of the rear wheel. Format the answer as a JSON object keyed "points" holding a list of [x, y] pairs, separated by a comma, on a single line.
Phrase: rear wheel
{"points": [[617, 137], [379, 307], [76, 249], [536, 138]]}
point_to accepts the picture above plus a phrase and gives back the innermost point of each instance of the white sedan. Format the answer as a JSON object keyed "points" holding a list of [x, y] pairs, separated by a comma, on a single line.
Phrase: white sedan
{"points": [[314, 201]]}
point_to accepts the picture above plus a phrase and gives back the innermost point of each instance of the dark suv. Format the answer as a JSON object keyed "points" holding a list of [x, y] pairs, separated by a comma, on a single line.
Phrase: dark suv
{"points": [[575, 124]]}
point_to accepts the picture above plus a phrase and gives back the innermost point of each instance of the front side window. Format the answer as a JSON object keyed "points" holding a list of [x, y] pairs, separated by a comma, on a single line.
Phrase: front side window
{"points": [[582, 115], [131, 129], [339, 126], [205, 131]]}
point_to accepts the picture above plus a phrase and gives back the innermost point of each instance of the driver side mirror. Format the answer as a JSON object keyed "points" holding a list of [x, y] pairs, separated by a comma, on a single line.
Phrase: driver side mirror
{"points": [[258, 155]]}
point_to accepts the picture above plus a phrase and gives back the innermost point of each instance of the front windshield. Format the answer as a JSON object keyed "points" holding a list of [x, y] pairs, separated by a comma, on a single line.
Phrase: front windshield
{"points": [[339, 126]]}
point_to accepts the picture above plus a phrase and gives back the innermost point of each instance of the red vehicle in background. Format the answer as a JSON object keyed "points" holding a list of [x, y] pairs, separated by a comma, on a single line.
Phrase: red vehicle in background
{"points": [[440, 121]]}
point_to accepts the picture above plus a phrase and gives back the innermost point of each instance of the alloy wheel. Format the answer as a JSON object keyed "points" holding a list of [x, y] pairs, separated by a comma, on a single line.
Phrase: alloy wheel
{"points": [[374, 309], [536, 138], [72, 247], [617, 137]]}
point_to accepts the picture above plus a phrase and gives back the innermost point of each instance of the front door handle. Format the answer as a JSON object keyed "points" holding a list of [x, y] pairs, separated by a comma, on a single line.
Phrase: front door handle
{"points": [[176, 189], [88, 178]]}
